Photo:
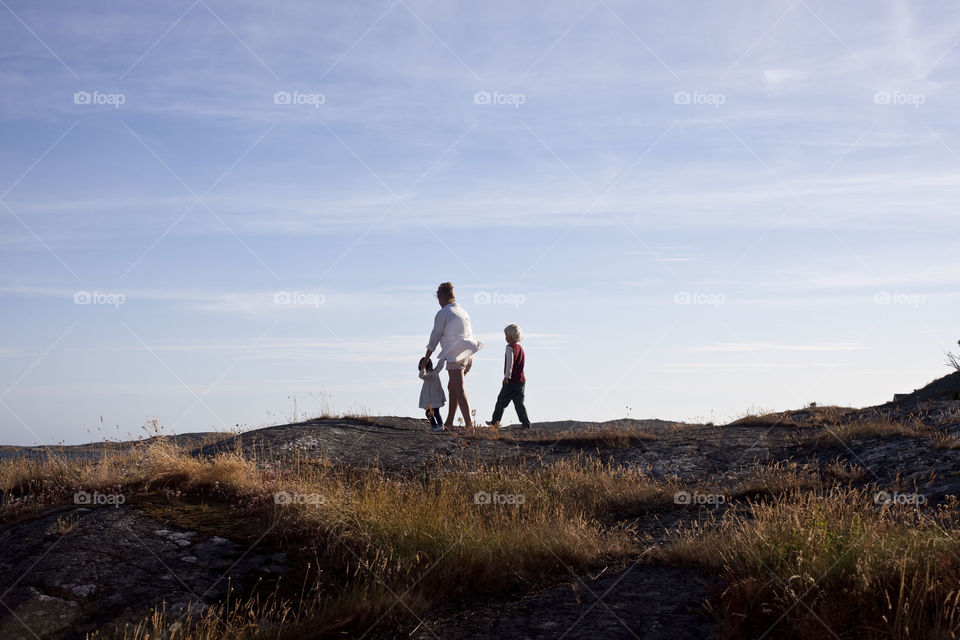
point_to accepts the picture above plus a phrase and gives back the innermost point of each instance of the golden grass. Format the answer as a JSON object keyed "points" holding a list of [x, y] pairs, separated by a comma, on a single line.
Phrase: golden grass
{"points": [[777, 479], [465, 532], [794, 551], [845, 432], [604, 437], [808, 562], [809, 416], [943, 440]]}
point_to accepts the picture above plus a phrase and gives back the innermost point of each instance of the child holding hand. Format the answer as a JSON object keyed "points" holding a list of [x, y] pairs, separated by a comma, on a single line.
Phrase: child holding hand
{"points": [[431, 394]]}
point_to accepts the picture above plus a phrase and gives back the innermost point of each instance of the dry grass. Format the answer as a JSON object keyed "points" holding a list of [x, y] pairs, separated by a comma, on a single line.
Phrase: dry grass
{"points": [[601, 437], [777, 479], [811, 565], [943, 440], [858, 429], [456, 533], [66, 524], [809, 416], [370, 536]]}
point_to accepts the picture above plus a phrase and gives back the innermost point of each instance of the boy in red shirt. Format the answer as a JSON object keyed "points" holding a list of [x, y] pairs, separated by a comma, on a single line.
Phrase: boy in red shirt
{"points": [[513, 379]]}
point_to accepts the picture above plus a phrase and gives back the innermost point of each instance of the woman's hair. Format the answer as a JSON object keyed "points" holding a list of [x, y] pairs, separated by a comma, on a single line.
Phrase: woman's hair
{"points": [[425, 363], [445, 290], [513, 332]]}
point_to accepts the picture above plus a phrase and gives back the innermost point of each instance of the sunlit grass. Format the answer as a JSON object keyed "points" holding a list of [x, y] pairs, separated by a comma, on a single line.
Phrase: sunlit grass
{"points": [[796, 546], [811, 565]]}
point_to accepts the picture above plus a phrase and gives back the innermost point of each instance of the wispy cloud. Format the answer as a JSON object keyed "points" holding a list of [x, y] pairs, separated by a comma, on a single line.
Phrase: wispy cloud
{"points": [[739, 347], [805, 158]]}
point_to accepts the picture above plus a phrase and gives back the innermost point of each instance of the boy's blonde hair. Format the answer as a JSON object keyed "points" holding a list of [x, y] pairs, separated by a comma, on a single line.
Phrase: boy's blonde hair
{"points": [[514, 332]]}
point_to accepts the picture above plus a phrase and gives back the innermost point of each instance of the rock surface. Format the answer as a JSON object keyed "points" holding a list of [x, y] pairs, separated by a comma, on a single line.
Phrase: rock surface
{"points": [[72, 571], [637, 601], [75, 571]]}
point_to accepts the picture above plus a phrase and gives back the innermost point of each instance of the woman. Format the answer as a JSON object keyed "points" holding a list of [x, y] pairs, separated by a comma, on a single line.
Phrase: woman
{"points": [[451, 330]]}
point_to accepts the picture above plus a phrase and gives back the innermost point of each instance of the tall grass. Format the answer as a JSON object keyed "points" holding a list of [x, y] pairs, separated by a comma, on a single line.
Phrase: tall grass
{"points": [[374, 538], [813, 565], [797, 556], [601, 437], [877, 428]]}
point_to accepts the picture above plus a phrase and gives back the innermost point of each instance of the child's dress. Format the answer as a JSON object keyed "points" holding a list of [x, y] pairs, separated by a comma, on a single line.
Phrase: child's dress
{"points": [[431, 395]]}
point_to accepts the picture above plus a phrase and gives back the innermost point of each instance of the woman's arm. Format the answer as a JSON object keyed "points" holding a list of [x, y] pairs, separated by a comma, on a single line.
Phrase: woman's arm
{"points": [[439, 321], [424, 374]]}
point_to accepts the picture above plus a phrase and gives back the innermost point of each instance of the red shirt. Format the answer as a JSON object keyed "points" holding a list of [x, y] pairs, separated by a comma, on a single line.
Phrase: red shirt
{"points": [[516, 372]]}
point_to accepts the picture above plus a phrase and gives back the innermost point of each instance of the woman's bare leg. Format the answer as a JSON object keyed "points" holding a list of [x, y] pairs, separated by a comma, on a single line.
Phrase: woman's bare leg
{"points": [[458, 398], [464, 402], [465, 407], [454, 386], [461, 394]]}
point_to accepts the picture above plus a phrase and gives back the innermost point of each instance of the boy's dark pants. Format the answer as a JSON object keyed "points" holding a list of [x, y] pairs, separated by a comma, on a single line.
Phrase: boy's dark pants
{"points": [[512, 391]]}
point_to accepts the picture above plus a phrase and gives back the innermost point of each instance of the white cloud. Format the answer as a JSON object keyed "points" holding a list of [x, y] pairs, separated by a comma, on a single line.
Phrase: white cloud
{"points": [[738, 347]]}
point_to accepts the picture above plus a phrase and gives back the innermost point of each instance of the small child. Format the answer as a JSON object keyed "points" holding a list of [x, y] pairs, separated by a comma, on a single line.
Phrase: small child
{"points": [[431, 395], [514, 381]]}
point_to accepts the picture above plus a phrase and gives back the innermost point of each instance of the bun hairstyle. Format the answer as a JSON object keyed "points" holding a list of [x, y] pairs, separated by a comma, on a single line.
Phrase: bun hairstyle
{"points": [[425, 363], [445, 290]]}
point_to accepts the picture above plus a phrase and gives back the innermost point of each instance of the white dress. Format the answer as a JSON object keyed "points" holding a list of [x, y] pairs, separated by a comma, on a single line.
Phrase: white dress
{"points": [[431, 395], [452, 331]]}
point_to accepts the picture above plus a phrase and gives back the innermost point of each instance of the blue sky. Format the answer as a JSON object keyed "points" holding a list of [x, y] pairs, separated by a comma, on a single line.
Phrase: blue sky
{"points": [[693, 209]]}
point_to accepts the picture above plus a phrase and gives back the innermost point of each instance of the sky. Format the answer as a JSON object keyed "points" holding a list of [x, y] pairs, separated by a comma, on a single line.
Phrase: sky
{"points": [[234, 214]]}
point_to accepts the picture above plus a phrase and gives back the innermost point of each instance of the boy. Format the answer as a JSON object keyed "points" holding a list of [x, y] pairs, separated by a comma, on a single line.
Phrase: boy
{"points": [[431, 394], [513, 379]]}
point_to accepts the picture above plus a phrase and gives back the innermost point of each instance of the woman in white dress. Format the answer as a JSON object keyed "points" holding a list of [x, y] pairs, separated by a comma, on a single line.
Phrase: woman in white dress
{"points": [[452, 331]]}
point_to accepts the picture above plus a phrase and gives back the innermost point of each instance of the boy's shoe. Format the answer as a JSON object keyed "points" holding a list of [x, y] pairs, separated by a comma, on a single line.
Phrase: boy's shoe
{"points": [[437, 428], [493, 425], [525, 426]]}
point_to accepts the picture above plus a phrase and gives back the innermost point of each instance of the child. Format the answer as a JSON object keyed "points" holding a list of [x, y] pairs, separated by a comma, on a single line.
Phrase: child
{"points": [[513, 379], [431, 395]]}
